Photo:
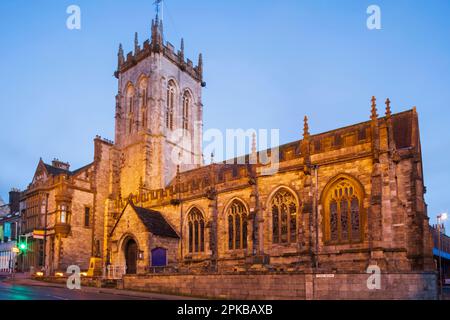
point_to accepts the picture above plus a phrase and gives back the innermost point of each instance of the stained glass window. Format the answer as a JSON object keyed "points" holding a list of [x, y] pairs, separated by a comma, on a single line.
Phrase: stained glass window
{"points": [[191, 233], [237, 226], [237, 219], [196, 234], [356, 228], [343, 217], [196, 229], [275, 227], [293, 222], [284, 221], [202, 235], [244, 231], [230, 232], [284, 217], [334, 221]]}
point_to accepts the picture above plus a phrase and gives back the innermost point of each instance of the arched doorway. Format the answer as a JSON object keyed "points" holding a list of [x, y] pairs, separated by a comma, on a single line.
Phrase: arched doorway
{"points": [[131, 250]]}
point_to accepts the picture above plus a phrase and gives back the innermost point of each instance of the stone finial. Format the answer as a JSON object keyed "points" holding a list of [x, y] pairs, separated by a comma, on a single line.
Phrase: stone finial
{"points": [[200, 64], [181, 52], [374, 115], [121, 58], [212, 157], [136, 43], [161, 30], [306, 128], [388, 108], [157, 33]]}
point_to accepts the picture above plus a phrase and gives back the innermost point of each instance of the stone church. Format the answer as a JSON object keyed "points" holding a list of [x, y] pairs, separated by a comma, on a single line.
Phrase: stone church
{"points": [[340, 201]]}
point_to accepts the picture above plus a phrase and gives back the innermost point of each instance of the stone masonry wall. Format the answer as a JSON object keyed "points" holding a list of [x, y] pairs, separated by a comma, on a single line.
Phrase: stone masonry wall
{"points": [[285, 286]]}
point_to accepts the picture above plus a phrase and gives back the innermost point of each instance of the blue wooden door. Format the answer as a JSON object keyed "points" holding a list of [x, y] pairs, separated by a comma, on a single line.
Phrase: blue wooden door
{"points": [[159, 257]]}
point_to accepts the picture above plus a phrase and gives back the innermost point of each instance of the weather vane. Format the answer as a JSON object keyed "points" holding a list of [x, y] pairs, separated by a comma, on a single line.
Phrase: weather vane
{"points": [[159, 8]]}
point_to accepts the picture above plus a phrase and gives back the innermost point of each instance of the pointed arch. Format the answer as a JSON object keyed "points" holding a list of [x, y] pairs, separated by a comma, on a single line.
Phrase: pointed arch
{"points": [[284, 206], [343, 215], [196, 224], [130, 93], [187, 107], [143, 100], [236, 216], [171, 102]]}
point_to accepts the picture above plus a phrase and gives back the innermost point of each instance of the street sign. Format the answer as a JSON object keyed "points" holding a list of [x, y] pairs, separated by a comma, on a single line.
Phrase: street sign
{"points": [[38, 234]]}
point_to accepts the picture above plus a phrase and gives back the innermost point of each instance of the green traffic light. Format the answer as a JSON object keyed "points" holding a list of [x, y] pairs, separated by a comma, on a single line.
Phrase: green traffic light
{"points": [[22, 246]]}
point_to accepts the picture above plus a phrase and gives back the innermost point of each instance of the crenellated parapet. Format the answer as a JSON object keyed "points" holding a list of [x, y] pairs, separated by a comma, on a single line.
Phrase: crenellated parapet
{"points": [[156, 45]]}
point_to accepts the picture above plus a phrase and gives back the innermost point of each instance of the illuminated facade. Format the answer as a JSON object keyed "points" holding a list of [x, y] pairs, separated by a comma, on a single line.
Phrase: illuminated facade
{"points": [[340, 201]]}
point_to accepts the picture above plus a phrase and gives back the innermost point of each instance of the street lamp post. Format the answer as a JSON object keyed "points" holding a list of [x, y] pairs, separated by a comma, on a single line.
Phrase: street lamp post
{"points": [[440, 218]]}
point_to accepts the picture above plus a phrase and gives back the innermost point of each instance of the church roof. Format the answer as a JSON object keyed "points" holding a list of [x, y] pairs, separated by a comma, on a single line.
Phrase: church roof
{"points": [[403, 123], [155, 222], [54, 171]]}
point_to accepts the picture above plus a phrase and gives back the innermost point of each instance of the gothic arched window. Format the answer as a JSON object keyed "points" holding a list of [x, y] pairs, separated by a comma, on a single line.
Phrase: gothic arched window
{"points": [[196, 231], [186, 107], [284, 208], [343, 204], [237, 226], [130, 108], [171, 96], [143, 101]]}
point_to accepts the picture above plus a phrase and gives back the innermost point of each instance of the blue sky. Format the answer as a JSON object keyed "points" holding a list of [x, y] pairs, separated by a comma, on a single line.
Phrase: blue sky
{"points": [[267, 64]]}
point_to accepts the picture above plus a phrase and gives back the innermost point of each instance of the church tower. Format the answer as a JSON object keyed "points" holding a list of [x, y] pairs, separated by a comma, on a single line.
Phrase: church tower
{"points": [[159, 113]]}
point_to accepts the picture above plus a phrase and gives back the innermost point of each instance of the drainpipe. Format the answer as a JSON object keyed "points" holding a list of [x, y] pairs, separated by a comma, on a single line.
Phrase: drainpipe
{"points": [[45, 233], [316, 214]]}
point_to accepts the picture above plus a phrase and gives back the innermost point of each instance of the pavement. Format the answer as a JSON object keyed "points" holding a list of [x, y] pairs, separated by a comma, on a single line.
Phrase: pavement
{"points": [[23, 288], [446, 293]]}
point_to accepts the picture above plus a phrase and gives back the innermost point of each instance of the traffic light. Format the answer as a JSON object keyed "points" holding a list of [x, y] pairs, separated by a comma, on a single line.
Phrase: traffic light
{"points": [[23, 244]]}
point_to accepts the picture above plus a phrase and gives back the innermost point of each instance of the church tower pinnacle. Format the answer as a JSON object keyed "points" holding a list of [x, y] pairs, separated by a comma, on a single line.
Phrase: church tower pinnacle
{"points": [[160, 95]]}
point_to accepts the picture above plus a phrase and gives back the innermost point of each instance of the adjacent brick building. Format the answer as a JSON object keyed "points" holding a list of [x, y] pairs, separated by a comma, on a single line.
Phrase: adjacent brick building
{"points": [[9, 231]]}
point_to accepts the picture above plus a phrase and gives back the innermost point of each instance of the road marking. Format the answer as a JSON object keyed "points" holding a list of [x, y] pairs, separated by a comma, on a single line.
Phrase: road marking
{"points": [[56, 297]]}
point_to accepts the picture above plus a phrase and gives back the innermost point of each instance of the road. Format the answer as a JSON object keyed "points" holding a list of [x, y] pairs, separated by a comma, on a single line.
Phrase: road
{"points": [[12, 291], [27, 289]]}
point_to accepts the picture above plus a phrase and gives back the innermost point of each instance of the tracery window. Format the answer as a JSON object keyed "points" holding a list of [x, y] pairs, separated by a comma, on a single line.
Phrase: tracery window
{"points": [[343, 204], [143, 101], [186, 107], [284, 217], [170, 105], [196, 231], [130, 107], [237, 226]]}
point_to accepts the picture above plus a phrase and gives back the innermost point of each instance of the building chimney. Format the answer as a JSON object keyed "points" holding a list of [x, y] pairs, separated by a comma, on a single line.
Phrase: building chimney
{"points": [[61, 165], [14, 200]]}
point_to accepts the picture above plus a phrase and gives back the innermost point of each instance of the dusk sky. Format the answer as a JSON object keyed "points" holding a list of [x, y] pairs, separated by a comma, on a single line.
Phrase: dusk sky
{"points": [[267, 64]]}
